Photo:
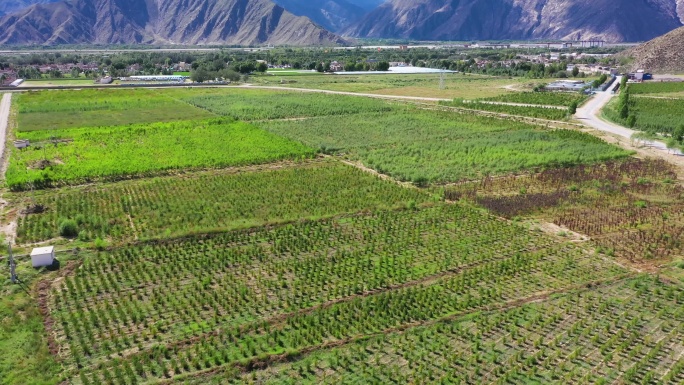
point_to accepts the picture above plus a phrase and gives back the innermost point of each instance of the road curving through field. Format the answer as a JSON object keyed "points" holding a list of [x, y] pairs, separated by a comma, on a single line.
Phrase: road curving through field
{"points": [[590, 112]]}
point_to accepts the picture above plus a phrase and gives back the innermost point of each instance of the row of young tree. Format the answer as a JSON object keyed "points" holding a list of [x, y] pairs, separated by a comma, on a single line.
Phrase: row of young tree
{"points": [[504, 62]]}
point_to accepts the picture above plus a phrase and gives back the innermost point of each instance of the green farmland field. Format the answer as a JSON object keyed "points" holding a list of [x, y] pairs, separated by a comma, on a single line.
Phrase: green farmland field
{"points": [[413, 144], [80, 155], [654, 115], [540, 112], [542, 98], [53, 110], [213, 201], [656, 88], [268, 104]]}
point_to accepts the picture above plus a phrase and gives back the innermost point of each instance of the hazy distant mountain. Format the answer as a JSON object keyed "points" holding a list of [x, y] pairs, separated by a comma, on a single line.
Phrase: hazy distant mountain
{"points": [[242, 22], [333, 15], [611, 20]]}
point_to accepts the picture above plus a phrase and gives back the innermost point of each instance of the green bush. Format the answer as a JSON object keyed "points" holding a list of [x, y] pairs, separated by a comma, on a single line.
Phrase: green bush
{"points": [[68, 228]]}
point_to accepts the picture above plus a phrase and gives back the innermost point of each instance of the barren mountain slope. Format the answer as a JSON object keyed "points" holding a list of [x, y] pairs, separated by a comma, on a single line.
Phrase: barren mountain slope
{"points": [[333, 15], [664, 54], [611, 20], [153, 21]]}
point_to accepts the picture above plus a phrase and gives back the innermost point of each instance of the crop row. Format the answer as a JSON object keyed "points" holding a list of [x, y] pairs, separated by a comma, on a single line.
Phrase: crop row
{"points": [[550, 113], [262, 273], [178, 308], [653, 115], [630, 332], [211, 201]]}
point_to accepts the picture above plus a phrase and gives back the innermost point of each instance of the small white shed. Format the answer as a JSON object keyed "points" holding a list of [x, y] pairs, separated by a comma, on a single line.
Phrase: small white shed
{"points": [[43, 256]]}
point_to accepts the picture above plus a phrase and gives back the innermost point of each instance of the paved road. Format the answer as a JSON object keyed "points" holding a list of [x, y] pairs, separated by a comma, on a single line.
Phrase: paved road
{"points": [[4, 120], [590, 112]]}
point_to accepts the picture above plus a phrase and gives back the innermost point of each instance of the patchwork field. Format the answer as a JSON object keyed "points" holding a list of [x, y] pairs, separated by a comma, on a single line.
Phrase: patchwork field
{"points": [[242, 236]]}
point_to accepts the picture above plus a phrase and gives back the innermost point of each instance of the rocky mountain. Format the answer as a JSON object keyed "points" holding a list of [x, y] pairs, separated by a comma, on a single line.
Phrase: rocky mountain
{"points": [[9, 6], [367, 4], [333, 15], [243, 22], [610, 20], [664, 54]]}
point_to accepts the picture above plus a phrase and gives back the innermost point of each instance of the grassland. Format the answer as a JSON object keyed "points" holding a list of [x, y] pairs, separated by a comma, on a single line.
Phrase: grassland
{"points": [[80, 155], [212, 201], [432, 146], [53, 110]]}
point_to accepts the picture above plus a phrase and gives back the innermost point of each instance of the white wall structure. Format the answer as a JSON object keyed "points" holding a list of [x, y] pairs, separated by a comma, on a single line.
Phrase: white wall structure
{"points": [[43, 256]]}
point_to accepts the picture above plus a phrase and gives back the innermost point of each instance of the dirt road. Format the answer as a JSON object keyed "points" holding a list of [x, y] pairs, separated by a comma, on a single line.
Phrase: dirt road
{"points": [[590, 113], [378, 96], [4, 121]]}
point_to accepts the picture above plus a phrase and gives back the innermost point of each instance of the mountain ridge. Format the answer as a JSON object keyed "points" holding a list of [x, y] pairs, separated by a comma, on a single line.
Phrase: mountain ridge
{"points": [[254, 22], [236, 22], [609, 20]]}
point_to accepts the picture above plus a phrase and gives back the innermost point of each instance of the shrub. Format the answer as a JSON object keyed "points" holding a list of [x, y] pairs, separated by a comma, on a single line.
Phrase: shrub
{"points": [[100, 243], [68, 228]]}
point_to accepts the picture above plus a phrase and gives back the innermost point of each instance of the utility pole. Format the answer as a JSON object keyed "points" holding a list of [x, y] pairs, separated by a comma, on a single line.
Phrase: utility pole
{"points": [[12, 264], [442, 80]]}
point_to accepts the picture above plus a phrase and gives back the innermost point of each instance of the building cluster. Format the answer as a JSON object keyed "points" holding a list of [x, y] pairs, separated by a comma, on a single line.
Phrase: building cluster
{"points": [[639, 76]]}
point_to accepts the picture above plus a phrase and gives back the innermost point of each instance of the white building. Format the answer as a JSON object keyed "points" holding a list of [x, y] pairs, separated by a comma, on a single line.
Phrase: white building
{"points": [[43, 256]]}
